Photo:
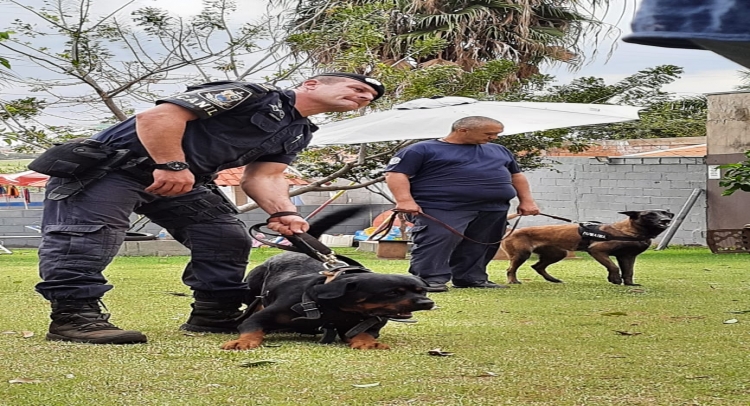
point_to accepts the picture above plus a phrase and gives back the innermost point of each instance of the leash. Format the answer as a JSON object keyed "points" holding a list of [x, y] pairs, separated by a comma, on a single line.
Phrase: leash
{"points": [[556, 217], [306, 244], [386, 226]]}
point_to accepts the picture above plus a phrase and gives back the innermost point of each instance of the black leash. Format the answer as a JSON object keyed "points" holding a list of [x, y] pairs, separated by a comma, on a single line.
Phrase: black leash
{"points": [[306, 244]]}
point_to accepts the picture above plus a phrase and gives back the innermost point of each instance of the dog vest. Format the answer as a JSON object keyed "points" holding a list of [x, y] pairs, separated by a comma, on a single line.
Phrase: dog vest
{"points": [[591, 231]]}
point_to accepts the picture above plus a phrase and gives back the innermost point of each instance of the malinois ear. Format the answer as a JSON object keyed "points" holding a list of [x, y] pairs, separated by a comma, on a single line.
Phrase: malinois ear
{"points": [[632, 214]]}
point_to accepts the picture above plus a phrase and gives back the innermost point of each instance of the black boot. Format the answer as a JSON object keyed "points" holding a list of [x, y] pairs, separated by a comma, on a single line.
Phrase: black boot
{"points": [[214, 317], [81, 321]]}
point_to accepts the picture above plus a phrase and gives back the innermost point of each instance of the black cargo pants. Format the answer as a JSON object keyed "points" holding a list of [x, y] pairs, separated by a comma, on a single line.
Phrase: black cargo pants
{"points": [[82, 234]]}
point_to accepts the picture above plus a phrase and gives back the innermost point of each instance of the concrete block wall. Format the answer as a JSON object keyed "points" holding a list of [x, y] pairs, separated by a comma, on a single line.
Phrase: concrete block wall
{"points": [[584, 189], [581, 189]]}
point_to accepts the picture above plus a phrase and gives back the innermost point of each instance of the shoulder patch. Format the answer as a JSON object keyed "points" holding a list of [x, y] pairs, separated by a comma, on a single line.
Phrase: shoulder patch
{"points": [[225, 98], [394, 161]]}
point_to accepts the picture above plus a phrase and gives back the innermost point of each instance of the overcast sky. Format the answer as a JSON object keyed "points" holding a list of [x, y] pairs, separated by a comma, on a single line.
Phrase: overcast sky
{"points": [[705, 72]]}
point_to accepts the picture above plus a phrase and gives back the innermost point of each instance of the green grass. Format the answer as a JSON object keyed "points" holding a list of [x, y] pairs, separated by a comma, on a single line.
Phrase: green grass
{"points": [[14, 165], [534, 344]]}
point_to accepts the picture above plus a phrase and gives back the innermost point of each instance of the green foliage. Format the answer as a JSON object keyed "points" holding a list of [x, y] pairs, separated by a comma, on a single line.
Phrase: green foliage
{"points": [[736, 177], [4, 61]]}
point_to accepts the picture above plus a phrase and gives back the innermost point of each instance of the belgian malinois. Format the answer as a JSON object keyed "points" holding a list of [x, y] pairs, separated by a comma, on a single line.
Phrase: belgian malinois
{"points": [[624, 240]]}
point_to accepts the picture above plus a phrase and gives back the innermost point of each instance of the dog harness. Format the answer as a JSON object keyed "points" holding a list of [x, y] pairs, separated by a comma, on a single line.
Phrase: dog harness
{"points": [[591, 232], [336, 265], [310, 310]]}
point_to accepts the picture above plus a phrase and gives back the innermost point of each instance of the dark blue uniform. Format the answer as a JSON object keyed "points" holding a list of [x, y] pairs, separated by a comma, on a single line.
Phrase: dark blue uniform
{"points": [[238, 123], [466, 186]]}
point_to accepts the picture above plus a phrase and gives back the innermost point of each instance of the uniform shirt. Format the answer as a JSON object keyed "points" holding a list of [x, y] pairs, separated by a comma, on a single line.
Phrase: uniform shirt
{"points": [[674, 23], [238, 123], [458, 176]]}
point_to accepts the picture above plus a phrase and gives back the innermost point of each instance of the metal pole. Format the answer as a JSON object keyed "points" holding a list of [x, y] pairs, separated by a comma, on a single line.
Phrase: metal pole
{"points": [[677, 222]]}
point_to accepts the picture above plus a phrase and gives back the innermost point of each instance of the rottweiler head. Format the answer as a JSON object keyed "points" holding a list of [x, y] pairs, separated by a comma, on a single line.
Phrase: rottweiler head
{"points": [[372, 294], [653, 221]]}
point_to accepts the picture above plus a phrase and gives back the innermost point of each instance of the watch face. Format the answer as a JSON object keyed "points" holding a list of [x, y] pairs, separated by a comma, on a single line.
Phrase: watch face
{"points": [[177, 166]]}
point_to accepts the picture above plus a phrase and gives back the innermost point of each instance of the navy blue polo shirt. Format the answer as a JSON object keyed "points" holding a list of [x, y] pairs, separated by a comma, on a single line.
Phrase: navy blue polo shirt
{"points": [[238, 123], [458, 176]]}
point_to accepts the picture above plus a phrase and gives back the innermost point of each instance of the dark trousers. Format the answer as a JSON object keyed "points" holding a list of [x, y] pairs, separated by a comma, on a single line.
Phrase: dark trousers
{"points": [[82, 234], [438, 255]]}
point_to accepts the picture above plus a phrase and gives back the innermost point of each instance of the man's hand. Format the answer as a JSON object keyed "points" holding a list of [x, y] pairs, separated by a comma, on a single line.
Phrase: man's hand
{"points": [[410, 207], [528, 208], [288, 225], [171, 183]]}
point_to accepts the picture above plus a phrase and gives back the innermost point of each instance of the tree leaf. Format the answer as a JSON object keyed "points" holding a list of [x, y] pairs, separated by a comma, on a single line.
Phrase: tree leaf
{"points": [[627, 333], [439, 353], [257, 363], [731, 321], [27, 334], [24, 380], [614, 314], [366, 385]]}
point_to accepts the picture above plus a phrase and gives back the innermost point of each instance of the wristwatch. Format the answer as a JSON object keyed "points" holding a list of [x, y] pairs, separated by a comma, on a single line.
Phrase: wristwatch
{"points": [[172, 166]]}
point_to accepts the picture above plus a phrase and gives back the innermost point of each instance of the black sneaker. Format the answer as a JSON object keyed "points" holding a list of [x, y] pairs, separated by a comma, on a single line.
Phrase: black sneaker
{"points": [[482, 285], [436, 287]]}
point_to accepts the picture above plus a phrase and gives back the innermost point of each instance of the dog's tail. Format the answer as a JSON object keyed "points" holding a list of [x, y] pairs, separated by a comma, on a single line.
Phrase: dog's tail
{"points": [[324, 223]]}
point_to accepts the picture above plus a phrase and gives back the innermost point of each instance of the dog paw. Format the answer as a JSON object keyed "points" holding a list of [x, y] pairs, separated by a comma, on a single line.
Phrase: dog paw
{"points": [[365, 341], [632, 284], [239, 345], [616, 281], [369, 346], [246, 341]]}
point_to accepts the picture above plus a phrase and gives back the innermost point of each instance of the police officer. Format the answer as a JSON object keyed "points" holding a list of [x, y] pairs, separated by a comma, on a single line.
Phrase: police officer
{"points": [[174, 149]]}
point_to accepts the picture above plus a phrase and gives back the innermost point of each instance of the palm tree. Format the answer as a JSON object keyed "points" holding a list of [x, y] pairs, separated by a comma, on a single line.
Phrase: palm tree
{"points": [[467, 33]]}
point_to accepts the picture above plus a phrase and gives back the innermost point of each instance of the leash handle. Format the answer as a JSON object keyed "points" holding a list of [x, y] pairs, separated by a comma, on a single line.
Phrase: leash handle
{"points": [[302, 242]]}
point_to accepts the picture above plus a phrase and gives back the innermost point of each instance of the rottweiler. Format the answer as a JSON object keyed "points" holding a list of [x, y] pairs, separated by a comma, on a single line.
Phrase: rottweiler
{"points": [[299, 294], [624, 240]]}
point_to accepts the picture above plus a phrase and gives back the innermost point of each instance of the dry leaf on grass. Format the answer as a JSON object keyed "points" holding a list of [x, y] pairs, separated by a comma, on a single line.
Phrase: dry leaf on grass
{"points": [[25, 380], [487, 374], [367, 385], [731, 321], [627, 333], [8, 332], [614, 314], [27, 334], [438, 353], [260, 362], [739, 311]]}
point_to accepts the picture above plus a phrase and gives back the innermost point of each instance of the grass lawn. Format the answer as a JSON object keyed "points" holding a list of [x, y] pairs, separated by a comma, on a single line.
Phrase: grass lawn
{"points": [[14, 165], [584, 342]]}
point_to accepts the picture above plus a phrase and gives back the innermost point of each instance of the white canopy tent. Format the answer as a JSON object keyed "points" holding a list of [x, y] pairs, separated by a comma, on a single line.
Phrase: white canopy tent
{"points": [[432, 118]]}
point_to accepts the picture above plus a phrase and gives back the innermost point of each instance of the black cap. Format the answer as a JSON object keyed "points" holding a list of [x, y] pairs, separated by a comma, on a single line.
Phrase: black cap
{"points": [[372, 82]]}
